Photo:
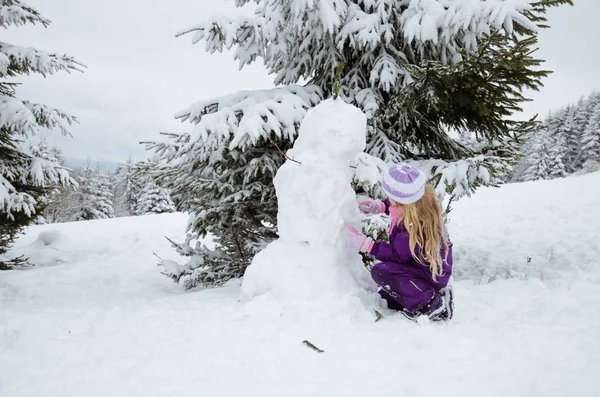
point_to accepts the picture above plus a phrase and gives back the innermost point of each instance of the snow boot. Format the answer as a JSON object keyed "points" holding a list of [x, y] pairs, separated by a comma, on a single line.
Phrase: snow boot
{"points": [[441, 307]]}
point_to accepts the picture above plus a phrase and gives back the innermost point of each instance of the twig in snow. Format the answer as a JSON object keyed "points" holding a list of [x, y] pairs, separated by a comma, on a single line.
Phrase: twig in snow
{"points": [[156, 255], [378, 315], [315, 348], [284, 154], [482, 274], [509, 273]]}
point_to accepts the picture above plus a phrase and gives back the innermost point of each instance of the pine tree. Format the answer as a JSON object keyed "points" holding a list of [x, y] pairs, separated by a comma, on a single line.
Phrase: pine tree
{"points": [[41, 150], [119, 182], [134, 183], [540, 159], [414, 75], [93, 198], [570, 138], [558, 132], [24, 177], [571, 129], [580, 122], [154, 200], [591, 136]]}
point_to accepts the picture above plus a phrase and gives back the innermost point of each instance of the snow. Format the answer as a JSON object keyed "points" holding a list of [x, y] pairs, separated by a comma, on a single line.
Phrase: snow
{"points": [[38, 61], [249, 116], [312, 266], [555, 223], [96, 318], [19, 14]]}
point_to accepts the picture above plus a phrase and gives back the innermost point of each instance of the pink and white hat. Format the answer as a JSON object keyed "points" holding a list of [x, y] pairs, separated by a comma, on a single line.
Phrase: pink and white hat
{"points": [[404, 183]]}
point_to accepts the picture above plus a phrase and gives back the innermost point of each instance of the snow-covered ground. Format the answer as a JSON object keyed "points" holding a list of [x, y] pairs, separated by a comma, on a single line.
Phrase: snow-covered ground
{"points": [[96, 318]]}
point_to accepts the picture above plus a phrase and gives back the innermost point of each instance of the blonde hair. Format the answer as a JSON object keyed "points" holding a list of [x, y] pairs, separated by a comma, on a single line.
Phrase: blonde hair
{"points": [[423, 220]]}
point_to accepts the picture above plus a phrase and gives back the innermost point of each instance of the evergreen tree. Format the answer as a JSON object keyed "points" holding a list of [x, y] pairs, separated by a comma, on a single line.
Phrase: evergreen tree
{"points": [[24, 176], [580, 122], [591, 136], [154, 200], [93, 198], [559, 151], [41, 150], [570, 138], [573, 146], [134, 183], [540, 159], [571, 130], [119, 183], [414, 75]]}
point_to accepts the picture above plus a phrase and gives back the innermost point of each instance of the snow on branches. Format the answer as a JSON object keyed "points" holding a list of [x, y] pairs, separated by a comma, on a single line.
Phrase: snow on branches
{"points": [[15, 13], [27, 174], [15, 60], [344, 30], [244, 117]]}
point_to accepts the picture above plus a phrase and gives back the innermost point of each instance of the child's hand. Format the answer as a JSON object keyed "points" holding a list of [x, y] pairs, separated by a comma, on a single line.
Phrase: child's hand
{"points": [[371, 207], [359, 241]]}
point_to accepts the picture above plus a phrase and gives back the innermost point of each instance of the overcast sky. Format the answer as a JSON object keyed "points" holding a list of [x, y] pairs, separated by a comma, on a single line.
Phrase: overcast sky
{"points": [[139, 74]]}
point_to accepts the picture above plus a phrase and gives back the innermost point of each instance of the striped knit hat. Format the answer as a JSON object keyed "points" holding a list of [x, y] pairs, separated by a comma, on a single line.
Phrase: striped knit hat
{"points": [[404, 183]]}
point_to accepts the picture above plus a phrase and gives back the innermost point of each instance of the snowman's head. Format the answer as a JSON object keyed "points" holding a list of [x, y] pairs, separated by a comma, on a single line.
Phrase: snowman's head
{"points": [[333, 128]]}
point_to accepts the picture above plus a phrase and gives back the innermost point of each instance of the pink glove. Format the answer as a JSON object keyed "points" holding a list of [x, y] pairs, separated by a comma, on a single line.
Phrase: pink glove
{"points": [[359, 241], [372, 207]]}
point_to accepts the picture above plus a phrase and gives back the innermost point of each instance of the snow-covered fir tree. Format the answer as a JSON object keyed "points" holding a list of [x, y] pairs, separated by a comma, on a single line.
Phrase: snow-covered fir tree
{"points": [[49, 204], [154, 200], [591, 135], [417, 69], [581, 117], [119, 183], [25, 177], [134, 183], [560, 151], [540, 158], [571, 141], [93, 199]]}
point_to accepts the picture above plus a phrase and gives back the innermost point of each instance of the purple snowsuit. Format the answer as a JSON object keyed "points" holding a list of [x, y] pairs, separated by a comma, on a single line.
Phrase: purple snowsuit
{"points": [[405, 282]]}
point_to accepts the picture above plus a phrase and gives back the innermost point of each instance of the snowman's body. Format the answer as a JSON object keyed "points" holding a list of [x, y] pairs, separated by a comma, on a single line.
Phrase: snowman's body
{"points": [[312, 262]]}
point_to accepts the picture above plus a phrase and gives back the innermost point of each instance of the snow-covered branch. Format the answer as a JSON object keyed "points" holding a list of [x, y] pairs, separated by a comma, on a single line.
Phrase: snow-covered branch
{"points": [[247, 116], [14, 12], [444, 22], [25, 118], [15, 60]]}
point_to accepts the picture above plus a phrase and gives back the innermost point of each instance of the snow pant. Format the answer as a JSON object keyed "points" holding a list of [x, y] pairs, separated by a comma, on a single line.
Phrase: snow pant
{"points": [[403, 286]]}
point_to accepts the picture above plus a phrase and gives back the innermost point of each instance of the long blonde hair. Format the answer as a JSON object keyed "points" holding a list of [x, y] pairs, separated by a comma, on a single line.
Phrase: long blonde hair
{"points": [[423, 220]]}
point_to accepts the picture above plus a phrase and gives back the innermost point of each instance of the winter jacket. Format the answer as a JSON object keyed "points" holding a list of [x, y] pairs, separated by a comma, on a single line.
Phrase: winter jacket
{"points": [[398, 250]]}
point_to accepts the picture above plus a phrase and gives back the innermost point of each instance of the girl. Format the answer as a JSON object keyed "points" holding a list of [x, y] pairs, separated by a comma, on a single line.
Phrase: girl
{"points": [[416, 264]]}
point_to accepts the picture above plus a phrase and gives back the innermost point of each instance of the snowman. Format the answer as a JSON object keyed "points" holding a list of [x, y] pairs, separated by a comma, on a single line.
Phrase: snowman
{"points": [[311, 266]]}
